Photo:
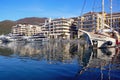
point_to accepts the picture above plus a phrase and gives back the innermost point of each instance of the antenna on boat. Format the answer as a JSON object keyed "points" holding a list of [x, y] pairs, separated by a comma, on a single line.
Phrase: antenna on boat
{"points": [[102, 14], [111, 14]]}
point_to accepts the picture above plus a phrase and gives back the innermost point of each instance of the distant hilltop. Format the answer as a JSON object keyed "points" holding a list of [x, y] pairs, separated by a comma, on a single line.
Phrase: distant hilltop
{"points": [[31, 20], [5, 26]]}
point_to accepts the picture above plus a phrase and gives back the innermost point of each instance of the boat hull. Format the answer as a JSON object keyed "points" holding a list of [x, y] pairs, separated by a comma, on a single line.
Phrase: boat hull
{"points": [[104, 42]]}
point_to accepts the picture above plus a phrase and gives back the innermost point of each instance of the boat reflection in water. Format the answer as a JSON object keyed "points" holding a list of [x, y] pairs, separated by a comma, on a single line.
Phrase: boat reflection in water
{"points": [[62, 60]]}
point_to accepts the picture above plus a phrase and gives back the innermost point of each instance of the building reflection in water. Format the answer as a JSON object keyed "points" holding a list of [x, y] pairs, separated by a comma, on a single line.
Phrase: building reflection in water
{"points": [[62, 51]]}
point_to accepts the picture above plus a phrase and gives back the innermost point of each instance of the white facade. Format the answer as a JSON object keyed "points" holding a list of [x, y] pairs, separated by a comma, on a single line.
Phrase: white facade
{"points": [[26, 29], [57, 28], [91, 21], [115, 21]]}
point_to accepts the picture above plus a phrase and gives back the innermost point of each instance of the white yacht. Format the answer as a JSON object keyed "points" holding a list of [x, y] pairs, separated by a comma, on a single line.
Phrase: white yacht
{"points": [[15, 38], [0, 41], [3, 39], [37, 38], [99, 40]]}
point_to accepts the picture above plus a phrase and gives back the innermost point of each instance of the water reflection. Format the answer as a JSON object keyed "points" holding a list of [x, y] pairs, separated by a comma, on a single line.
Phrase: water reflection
{"points": [[57, 51], [54, 52]]}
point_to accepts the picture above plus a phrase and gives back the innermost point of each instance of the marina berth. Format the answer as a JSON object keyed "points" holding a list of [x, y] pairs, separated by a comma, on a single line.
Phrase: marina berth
{"points": [[0, 41], [15, 38], [34, 38], [60, 40], [37, 38], [3, 39]]}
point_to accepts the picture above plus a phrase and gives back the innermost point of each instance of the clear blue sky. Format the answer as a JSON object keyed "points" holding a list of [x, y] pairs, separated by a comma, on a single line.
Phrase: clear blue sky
{"points": [[16, 9]]}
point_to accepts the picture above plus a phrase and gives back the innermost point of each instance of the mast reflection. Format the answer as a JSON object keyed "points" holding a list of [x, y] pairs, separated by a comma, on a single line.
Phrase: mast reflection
{"points": [[60, 51]]}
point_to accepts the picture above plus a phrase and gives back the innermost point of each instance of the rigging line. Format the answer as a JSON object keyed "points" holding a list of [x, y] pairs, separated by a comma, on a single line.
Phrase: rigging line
{"points": [[93, 5], [83, 7], [106, 6], [116, 7], [111, 13]]}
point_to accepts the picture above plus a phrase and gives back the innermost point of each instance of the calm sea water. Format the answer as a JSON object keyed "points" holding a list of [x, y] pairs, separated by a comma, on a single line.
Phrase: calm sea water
{"points": [[57, 61]]}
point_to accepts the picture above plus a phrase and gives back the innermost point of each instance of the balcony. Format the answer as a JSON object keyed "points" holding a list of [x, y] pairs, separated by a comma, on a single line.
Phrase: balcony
{"points": [[62, 24], [62, 27], [62, 31]]}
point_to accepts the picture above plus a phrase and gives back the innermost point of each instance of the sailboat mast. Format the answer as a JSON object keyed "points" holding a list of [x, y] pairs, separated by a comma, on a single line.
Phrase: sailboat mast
{"points": [[111, 14], [102, 14]]}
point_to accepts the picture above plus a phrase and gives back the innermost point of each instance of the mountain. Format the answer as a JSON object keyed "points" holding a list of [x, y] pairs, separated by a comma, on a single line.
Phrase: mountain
{"points": [[5, 26], [31, 20]]}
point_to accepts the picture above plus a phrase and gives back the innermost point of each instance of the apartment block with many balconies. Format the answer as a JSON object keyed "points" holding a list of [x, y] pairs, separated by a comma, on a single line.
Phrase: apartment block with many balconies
{"points": [[57, 28], [90, 22], [26, 29], [67, 27], [115, 21]]}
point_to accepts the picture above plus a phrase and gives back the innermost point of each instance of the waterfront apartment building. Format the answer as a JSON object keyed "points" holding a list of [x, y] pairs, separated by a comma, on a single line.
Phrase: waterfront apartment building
{"points": [[91, 21], [26, 29], [115, 21], [58, 28], [68, 27]]}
